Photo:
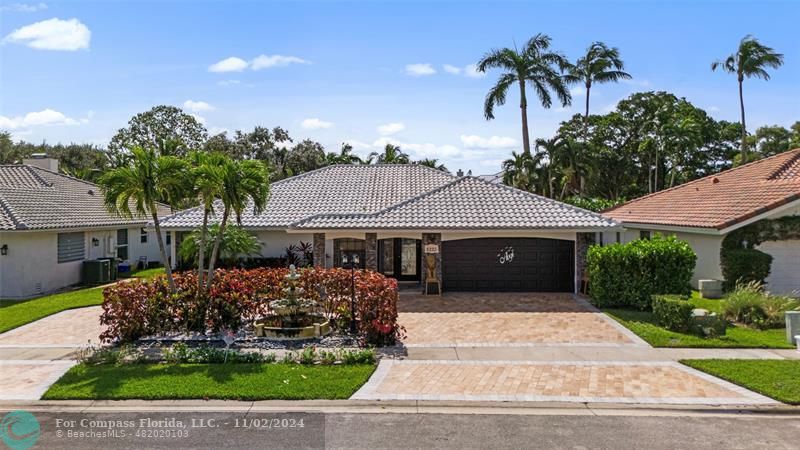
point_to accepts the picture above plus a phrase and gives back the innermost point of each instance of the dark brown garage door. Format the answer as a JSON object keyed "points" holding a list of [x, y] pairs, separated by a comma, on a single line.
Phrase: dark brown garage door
{"points": [[508, 264]]}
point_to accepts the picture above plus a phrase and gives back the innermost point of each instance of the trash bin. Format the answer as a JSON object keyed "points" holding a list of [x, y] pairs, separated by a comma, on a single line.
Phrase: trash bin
{"points": [[112, 268]]}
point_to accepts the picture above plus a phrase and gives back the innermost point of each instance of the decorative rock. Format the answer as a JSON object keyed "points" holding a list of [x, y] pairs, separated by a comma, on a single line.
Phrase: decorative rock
{"points": [[710, 288], [699, 312]]}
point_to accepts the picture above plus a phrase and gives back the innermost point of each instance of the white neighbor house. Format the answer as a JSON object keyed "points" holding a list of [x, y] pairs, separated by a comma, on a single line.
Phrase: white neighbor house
{"points": [[50, 223], [703, 212]]}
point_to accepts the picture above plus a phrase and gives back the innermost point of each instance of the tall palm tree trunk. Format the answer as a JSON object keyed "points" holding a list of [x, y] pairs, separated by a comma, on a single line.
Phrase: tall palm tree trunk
{"points": [[744, 127], [523, 105], [201, 251], [215, 251], [586, 113], [163, 250]]}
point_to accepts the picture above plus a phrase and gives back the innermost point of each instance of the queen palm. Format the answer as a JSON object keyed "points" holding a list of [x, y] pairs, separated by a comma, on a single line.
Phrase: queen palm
{"points": [[392, 154], [535, 65], [520, 170], [750, 60], [600, 64], [345, 156], [207, 175], [433, 163], [245, 184], [146, 179]]}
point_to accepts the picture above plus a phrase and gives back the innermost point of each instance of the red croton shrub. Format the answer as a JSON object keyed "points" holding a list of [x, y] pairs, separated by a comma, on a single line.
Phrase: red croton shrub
{"points": [[141, 308]]}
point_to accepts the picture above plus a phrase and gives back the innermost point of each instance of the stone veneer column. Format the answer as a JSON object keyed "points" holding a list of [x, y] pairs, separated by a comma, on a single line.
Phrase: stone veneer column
{"points": [[431, 239], [319, 250], [582, 243], [371, 251]]}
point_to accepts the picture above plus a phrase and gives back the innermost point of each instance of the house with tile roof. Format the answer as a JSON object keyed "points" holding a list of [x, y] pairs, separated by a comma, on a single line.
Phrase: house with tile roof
{"points": [[50, 223], [419, 224], [705, 211]]}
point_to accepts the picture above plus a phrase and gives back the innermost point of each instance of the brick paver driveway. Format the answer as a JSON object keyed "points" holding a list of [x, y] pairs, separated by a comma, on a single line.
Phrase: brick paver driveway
{"points": [[506, 319]]}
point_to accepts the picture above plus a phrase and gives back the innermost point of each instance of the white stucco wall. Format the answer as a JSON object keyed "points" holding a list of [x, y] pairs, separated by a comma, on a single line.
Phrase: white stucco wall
{"points": [[274, 243], [31, 267], [784, 277]]}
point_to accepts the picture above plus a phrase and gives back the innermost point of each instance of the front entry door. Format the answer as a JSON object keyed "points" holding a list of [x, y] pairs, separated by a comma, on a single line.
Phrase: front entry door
{"points": [[400, 258]]}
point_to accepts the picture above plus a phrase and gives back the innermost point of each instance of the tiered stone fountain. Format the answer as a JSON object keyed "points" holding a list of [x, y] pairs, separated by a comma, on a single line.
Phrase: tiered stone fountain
{"points": [[292, 317]]}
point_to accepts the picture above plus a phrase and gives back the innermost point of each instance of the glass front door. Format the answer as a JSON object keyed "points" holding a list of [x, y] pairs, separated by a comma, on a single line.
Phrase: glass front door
{"points": [[399, 258]]}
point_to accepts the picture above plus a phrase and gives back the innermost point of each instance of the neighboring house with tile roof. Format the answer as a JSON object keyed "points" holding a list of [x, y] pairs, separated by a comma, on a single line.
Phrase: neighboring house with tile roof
{"points": [[50, 223], [406, 220], [706, 210]]}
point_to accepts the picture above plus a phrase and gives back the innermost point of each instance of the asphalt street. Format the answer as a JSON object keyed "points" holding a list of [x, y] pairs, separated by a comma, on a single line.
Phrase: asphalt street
{"points": [[218, 430]]}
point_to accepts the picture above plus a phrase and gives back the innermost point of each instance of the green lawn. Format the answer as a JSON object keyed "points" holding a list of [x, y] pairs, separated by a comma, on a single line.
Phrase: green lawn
{"points": [[779, 379], [213, 381], [644, 324], [15, 313], [713, 305]]}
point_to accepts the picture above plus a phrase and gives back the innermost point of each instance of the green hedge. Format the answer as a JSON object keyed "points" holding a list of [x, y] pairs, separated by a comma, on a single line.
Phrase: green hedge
{"points": [[629, 274], [744, 265], [673, 312]]}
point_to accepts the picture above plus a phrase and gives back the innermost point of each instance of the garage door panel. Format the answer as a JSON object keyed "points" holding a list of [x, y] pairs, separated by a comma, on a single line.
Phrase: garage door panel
{"points": [[508, 264]]}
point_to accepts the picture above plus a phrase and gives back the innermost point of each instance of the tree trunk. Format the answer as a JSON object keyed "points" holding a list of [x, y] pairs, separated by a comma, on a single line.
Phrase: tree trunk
{"points": [[163, 250], [215, 251], [201, 251], [523, 105], [586, 114], [744, 127]]}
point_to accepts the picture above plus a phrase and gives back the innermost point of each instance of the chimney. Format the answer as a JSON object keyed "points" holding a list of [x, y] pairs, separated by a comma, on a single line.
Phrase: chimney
{"points": [[42, 161]]}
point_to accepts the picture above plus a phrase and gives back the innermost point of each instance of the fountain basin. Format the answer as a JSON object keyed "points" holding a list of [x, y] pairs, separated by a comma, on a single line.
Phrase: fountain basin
{"points": [[266, 328]]}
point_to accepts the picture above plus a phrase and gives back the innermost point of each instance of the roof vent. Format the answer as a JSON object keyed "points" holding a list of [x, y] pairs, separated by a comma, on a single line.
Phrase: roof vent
{"points": [[715, 180], [460, 173], [91, 192]]}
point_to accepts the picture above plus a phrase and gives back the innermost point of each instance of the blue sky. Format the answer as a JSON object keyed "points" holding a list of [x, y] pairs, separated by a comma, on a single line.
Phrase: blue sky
{"points": [[356, 71]]}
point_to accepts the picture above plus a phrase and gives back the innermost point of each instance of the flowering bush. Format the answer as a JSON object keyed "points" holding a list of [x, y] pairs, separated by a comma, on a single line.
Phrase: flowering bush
{"points": [[146, 307]]}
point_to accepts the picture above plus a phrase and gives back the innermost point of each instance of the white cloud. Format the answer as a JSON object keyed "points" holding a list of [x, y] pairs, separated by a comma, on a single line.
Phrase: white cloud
{"points": [[23, 7], [268, 61], [359, 145], [452, 69], [713, 109], [418, 70], [315, 124], [418, 151], [391, 128], [192, 105], [200, 119], [577, 91], [228, 82], [41, 118], [232, 64], [635, 82], [213, 131], [52, 34], [475, 141], [471, 71]]}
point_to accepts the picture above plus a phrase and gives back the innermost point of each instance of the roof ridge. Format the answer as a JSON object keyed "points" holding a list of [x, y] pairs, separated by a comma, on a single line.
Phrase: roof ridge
{"points": [[384, 210], [543, 198], [693, 182]]}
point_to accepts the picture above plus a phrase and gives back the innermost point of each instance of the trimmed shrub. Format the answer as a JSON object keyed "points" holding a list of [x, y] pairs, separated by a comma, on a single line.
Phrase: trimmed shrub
{"points": [[744, 265], [673, 312], [628, 275], [146, 307]]}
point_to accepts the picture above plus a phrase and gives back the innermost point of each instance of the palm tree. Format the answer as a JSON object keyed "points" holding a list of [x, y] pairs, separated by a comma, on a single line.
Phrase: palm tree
{"points": [[146, 179], [207, 175], [433, 163], [552, 149], [750, 60], [520, 170], [392, 154], [600, 64], [345, 156], [536, 65], [244, 182]]}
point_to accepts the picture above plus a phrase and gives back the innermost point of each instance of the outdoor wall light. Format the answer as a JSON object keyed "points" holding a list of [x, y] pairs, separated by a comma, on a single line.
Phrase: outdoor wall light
{"points": [[95, 242], [4, 250]]}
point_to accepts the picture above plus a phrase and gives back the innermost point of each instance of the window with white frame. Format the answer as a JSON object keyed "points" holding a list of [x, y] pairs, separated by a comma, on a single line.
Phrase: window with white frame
{"points": [[143, 236], [71, 247]]}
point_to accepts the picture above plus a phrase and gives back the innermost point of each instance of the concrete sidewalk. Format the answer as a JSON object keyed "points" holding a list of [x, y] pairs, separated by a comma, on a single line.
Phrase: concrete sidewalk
{"points": [[593, 353]]}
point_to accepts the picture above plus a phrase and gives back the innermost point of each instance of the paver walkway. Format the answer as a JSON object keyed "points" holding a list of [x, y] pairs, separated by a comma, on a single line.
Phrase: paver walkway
{"points": [[569, 381], [508, 320], [72, 328]]}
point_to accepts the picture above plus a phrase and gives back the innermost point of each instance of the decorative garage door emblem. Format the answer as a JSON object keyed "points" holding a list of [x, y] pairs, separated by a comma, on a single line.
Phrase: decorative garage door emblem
{"points": [[506, 254]]}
